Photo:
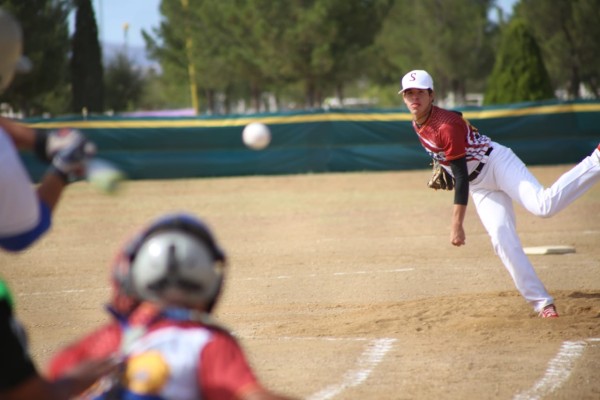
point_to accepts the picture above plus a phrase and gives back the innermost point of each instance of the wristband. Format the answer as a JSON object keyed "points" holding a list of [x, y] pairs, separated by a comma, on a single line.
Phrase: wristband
{"points": [[40, 144], [60, 174]]}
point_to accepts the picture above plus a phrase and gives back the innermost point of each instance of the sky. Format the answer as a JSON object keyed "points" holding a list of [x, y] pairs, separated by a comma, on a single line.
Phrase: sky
{"points": [[113, 15]]}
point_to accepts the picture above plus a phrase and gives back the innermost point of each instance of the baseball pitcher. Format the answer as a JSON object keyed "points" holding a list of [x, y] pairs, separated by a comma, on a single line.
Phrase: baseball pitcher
{"points": [[495, 177]]}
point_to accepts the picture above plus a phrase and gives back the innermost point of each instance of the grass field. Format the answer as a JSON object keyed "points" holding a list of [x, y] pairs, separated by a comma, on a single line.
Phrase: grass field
{"points": [[345, 286]]}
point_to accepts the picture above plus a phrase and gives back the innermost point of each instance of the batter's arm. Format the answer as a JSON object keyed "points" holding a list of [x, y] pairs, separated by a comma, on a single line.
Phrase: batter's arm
{"points": [[68, 387], [50, 189], [21, 135], [461, 199], [24, 138]]}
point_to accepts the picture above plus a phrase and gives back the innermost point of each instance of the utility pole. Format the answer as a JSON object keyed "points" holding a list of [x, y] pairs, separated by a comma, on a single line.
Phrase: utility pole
{"points": [[125, 38], [190, 58]]}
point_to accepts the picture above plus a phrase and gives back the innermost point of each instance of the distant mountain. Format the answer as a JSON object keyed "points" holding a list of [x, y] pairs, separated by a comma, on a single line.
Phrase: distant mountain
{"points": [[137, 55]]}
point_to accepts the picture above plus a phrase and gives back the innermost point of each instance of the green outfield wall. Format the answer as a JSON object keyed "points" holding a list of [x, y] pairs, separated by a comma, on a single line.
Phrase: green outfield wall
{"points": [[322, 141]]}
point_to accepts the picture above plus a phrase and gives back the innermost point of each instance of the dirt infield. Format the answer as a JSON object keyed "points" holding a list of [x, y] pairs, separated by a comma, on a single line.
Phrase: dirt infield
{"points": [[345, 286]]}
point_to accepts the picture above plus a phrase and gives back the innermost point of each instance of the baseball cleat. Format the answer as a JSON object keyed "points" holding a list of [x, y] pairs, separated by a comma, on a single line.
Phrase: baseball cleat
{"points": [[549, 312]]}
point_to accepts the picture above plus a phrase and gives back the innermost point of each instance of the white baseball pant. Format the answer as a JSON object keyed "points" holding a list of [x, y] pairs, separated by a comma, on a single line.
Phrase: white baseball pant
{"points": [[505, 178]]}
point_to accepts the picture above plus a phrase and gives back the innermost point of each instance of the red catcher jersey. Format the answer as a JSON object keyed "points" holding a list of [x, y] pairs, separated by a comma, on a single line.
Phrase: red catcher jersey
{"points": [[447, 136], [171, 360]]}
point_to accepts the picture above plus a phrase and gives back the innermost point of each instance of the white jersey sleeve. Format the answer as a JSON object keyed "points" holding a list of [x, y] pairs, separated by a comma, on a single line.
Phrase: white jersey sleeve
{"points": [[19, 204]]}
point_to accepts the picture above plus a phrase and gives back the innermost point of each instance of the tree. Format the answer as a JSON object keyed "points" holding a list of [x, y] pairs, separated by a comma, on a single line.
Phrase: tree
{"points": [[46, 44], [87, 71], [356, 25], [319, 44], [324, 44], [230, 50], [243, 48], [451, 39], [124, 84], [568, 32], [158, 95], [167, 45], [519, 73]]}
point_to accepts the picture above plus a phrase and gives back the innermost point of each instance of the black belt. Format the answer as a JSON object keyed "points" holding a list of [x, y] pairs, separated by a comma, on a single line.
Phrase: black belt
{"points": [[480, 166]]}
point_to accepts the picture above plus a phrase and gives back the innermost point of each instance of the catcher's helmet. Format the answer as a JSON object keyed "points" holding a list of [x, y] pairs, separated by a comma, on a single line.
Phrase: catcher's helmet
{"points": [[175, 261], [11, 48]]}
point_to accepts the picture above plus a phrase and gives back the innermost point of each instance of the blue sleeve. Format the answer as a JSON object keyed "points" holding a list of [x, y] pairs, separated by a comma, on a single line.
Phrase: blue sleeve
{"points": [[24, 240]]}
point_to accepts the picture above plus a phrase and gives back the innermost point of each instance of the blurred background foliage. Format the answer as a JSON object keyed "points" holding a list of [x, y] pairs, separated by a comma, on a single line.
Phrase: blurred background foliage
{"points": [[232, 56]]}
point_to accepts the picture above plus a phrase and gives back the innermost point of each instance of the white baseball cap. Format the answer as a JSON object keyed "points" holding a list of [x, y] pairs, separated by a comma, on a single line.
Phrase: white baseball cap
{"points": [[417, 79]]}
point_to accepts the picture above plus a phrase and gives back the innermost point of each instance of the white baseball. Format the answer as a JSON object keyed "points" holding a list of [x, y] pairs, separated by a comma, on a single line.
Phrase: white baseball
{"points": [[104, 175], [256, 135]]}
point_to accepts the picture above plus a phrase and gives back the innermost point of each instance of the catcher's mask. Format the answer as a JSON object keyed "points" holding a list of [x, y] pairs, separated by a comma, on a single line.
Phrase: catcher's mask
{"points": [[11, 47], [175, 261]]}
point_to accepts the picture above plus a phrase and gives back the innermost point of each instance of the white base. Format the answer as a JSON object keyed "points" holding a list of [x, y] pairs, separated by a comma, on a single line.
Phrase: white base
{"points": [[543, 250]]}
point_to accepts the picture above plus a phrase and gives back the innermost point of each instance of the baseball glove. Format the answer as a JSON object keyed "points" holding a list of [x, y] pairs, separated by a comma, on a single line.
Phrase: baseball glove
{"points": [[440, 178]]}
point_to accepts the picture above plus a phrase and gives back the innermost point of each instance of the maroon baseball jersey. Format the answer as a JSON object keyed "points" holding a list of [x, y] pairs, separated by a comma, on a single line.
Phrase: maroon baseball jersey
{"points": [[447, 136]]}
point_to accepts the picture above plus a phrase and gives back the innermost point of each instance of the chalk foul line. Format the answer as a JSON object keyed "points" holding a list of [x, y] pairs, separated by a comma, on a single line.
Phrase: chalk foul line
{"points": [[366, 363], [385, 271], [558, 371]]}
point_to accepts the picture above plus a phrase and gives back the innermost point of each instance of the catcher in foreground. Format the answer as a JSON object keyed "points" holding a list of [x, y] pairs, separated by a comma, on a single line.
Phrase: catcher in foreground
{"points": [[166, 281], [495, 177]]}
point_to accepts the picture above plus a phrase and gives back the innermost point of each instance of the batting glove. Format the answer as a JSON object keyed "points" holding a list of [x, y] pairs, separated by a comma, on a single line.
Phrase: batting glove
{"points": [[70, 162], [49, 142]]}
